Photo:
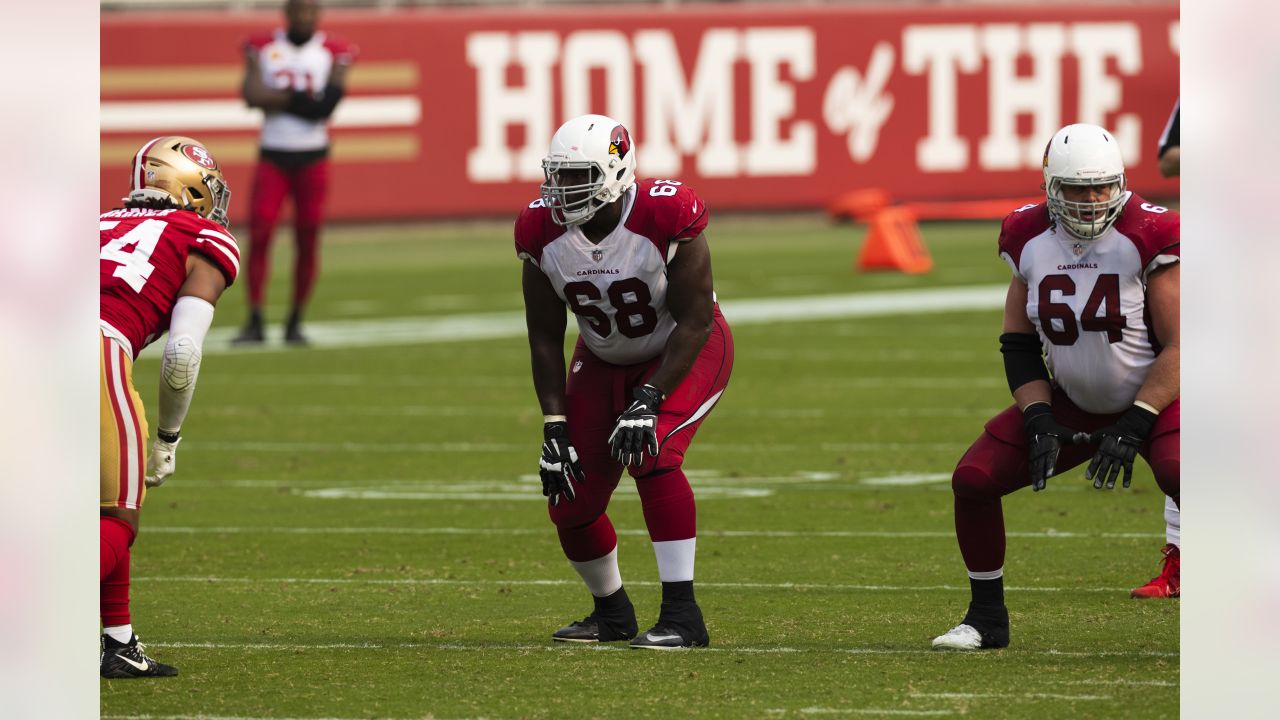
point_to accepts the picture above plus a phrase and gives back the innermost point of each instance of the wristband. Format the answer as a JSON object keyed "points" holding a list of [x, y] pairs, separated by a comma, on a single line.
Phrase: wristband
{"points": [[166, 436], [554, 418]]}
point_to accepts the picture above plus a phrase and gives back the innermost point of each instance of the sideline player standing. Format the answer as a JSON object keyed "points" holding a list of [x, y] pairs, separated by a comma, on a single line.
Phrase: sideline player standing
{"points": [[1168, 584], [164, 261], [1096, 278], [297, 76], [653, 357]]}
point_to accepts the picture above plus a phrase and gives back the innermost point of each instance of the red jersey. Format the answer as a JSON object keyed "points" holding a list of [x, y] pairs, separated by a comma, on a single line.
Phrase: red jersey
{"points": [[618, 287], [143, 264]]}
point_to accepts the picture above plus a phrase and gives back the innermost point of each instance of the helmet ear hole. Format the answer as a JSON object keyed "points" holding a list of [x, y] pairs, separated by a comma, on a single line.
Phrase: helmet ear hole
{"points": [[621, 172]]}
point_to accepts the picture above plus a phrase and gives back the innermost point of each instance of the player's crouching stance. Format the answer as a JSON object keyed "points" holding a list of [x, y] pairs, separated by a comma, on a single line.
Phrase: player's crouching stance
{"points": [[164, 261], [653, 357], [1095, 277]]}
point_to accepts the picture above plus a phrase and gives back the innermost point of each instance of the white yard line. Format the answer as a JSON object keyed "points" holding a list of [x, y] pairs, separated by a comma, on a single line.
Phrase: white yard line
{"points": [[828, 587], [489, 326], [1007, 696], [378, 530], [557, 647]]}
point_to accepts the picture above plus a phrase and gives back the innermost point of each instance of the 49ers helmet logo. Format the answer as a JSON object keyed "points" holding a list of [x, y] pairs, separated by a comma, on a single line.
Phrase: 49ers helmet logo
{"points": [[200, 156], [619, 142]]}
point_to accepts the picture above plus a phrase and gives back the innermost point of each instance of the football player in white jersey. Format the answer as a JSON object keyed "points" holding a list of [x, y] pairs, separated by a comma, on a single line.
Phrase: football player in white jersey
{"points": [[1094, 295], [297, 76], [653, 356]]}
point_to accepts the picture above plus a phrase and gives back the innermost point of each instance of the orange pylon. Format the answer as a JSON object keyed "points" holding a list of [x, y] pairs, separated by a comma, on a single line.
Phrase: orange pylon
{"points": [[893, 243]]}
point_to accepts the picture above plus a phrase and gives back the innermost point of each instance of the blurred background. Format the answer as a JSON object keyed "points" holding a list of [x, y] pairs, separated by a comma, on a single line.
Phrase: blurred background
{"points": [[760, 107]]}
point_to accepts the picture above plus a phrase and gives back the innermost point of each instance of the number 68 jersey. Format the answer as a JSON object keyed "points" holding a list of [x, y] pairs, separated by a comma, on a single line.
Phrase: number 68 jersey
{"points": [[1087, 298], [143, 264], [617, 288]]}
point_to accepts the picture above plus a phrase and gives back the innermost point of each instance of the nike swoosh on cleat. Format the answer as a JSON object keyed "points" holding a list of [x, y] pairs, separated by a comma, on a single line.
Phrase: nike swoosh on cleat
{"points": [[141, 666], [661, 638]]}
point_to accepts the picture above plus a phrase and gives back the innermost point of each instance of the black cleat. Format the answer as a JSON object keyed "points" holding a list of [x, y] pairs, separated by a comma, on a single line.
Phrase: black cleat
{"points": [[293, 330], [597, 628], [293, 336], [675, 631], [614, 618], [251, 333], [983, 628], [129, 660]]}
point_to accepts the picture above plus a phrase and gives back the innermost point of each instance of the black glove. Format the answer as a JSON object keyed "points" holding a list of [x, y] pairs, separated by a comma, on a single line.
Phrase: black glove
{"points": [[558, 467], [1044, 438], [1117, 446], [637, 427]]}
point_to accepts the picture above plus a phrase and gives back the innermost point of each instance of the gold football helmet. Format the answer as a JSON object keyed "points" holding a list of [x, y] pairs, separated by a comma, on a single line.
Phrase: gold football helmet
{"points": [[180, 171]]}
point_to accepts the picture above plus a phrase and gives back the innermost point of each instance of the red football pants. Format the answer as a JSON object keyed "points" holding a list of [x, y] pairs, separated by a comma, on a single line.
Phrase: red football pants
{"points": [[308, 185], [997, 464], [597, 393]]}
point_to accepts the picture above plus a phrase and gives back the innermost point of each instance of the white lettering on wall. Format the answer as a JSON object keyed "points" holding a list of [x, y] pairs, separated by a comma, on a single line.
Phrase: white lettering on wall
{"points": [[857, 105], [1010, 94], [942, 51], [499, 105], [1100, 93], [774, 101], [605, 50], [693, 119]]}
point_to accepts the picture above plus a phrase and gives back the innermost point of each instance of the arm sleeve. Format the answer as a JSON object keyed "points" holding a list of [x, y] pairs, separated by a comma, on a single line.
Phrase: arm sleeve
{"points": [[305, 105], [181, 361]]}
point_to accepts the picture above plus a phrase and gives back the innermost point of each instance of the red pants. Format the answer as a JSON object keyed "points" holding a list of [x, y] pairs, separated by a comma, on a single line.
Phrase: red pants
{"points": [[997, 464], [597, 393], [271, 183]]}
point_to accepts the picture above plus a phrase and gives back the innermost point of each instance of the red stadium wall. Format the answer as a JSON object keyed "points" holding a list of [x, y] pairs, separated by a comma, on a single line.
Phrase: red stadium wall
{"points": [[448, 113]]}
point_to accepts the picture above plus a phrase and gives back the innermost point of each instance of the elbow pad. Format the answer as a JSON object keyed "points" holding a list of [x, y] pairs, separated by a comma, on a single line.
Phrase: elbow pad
{"points": [[1023, 359], [181, 363]]}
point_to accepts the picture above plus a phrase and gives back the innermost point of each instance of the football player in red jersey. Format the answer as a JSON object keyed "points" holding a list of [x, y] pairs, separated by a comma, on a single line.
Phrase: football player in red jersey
{"points": [[164, 260], [1167, 584], [296, 75], [1095, 293], [653, 356]]}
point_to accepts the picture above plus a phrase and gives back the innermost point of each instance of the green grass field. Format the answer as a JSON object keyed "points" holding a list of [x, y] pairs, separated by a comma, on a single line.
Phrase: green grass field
{"points": [[358, 532]]}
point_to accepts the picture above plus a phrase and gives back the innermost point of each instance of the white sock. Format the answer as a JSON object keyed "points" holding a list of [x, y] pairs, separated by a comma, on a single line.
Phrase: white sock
{"points": [[119, 633], [987, 575], [1172, 523], [675, 559], [601, 575]]}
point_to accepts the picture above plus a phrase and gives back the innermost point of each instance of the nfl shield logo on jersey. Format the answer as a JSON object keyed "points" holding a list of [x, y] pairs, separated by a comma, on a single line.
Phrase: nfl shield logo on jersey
{"points": [[1077, 248], [597, 254]]}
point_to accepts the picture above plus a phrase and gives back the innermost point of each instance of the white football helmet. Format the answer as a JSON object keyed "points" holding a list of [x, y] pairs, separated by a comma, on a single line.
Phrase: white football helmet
{"points": [[602, 147], [1086, 155]]}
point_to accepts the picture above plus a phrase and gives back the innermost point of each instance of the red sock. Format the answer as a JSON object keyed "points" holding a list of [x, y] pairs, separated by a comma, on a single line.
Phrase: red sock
{"points": [[115, 537], [667, 502]]}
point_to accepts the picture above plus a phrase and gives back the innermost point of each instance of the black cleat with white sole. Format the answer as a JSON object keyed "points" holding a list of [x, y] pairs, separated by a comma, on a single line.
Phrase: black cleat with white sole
{"points": [[594, 628], [675, 631], [613, 619], [129, 660]]}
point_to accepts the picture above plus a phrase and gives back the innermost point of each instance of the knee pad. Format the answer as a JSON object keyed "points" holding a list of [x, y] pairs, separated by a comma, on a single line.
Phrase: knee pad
{"points": [[569, 515], [971, 481]]}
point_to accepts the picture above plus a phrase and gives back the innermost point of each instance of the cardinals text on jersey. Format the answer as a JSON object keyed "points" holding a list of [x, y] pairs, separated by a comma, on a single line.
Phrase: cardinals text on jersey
{"points": [[304, 67], [617, 288], [143, 264], [1087, 298]]}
